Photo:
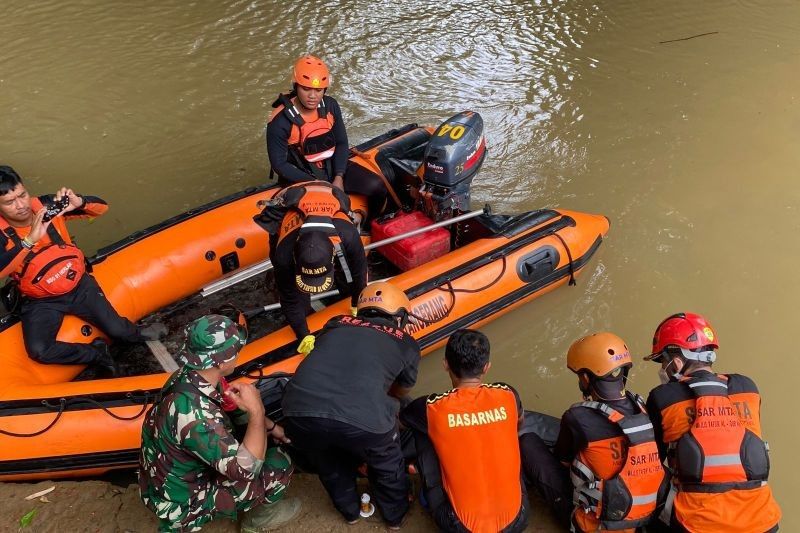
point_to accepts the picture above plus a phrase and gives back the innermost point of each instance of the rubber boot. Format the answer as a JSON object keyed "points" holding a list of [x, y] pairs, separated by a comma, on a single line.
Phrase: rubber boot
{"points": [[270, 515], [154, 332]]}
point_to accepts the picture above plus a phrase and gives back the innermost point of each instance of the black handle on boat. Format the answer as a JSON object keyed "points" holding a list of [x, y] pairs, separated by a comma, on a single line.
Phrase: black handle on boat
{"points": [[263, 266]]}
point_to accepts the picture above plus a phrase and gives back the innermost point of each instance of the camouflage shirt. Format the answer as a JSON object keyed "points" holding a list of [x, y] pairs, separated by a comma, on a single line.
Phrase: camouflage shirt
{"points": [[188, 450]]}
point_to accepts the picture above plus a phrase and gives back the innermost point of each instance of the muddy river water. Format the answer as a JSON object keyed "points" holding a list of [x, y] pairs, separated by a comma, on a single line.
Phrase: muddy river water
{"points": [[678, 120]]}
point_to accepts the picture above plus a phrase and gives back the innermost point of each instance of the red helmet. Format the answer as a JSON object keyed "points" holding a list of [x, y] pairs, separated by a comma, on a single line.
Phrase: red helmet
{"points": [[689, 332], [310, 71]]}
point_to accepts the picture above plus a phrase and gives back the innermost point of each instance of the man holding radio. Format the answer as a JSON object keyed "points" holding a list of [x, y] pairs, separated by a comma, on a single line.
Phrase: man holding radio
{"points": [[37, 252]]}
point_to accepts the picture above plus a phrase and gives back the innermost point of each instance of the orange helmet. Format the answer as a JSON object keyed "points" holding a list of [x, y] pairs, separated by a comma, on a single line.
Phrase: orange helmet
{"points": [[310, 71], [600, 354], [384, 297]]}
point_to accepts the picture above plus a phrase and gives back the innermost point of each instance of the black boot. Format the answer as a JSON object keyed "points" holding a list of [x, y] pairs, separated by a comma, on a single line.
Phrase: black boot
{"points": [[105, 364]]}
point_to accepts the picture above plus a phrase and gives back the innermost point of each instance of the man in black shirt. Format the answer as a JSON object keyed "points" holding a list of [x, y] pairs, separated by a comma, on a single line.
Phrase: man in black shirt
{"points": [[341, 405]]}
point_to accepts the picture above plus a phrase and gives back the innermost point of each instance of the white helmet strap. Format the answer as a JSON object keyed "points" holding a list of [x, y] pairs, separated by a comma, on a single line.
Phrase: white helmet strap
{"points": [[708, 356]]}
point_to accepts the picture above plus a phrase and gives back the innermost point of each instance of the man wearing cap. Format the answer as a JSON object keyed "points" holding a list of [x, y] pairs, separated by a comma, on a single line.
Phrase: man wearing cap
{"points": [[311, 229], [192, 468]]}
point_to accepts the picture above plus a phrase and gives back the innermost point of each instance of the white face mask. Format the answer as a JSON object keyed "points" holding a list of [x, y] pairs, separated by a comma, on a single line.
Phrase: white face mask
{"points": [[665, 377]]}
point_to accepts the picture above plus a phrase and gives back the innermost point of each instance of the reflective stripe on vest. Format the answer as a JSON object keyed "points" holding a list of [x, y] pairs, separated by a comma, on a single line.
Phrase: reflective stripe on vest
{"points": [[637, 429], [318, 225], [320, 156], [645, 498], [708, 384]]}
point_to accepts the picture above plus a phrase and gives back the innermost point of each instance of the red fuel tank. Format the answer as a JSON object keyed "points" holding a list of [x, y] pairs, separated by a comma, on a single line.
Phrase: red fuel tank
{"points": [[413, 251]]}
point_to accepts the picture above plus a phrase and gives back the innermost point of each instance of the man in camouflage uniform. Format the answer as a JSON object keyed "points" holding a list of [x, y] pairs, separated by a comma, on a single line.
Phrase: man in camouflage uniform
{"points": [[192, 469]]}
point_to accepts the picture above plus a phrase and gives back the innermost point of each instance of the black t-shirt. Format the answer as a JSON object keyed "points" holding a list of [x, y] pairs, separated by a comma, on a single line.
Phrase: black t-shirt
{"points": [[347, 375], [581, 425]]}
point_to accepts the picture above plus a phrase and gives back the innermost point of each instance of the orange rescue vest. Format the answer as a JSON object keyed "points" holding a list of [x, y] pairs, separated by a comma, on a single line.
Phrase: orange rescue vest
{"points": [[312, 143], [474, 433], [617, 481], [53, 267], [718, 453], [714, 504], [311, 205]]}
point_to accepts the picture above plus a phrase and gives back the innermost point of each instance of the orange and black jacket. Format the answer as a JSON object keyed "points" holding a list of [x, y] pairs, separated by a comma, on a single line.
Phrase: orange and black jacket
{"points": [[615, 468], [284, 218], [708, 428], [13, 253], [286, 158], [474, 433]]}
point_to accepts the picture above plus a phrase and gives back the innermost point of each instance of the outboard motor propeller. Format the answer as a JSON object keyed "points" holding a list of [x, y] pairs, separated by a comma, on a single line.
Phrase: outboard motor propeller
{"points": [[455, 153]]}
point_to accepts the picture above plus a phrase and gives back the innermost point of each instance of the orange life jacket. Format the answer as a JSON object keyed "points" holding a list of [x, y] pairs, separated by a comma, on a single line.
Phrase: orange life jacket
{"points": [[715, 504], [617, 481], [311, 205], [311, 143], [53, 267], [718, 453], [474, 432]]}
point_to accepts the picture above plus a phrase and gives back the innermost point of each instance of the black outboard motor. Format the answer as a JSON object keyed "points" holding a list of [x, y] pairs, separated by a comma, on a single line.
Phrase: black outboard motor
{"points": [[455, 153]]}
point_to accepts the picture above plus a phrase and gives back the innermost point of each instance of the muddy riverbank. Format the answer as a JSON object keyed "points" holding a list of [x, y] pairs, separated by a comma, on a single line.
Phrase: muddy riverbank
{"points": [[114, 507]]}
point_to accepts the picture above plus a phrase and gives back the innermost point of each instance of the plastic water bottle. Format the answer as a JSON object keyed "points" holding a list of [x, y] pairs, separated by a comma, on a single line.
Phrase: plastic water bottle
{"points": [[367, 509]]}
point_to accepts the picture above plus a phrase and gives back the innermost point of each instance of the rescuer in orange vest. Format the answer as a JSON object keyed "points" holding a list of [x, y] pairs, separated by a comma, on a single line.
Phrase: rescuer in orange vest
{"points": [[467, 445], [611, 478], [307, 140], [708, 428], [37, 252], [311, 230]]}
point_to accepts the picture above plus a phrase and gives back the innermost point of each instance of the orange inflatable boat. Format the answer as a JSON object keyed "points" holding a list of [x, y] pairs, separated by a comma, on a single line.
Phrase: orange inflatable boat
{"points": [[52, 425]]}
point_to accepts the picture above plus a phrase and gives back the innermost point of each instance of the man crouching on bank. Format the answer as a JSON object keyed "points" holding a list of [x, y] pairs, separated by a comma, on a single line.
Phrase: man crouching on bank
{"points": [[467, 447], [192, 469]]}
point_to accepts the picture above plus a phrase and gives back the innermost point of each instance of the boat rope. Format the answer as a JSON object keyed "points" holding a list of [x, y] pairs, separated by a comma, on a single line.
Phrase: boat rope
{"points": [[123, 418], [448, 287], [569, 256], [62, 407]]}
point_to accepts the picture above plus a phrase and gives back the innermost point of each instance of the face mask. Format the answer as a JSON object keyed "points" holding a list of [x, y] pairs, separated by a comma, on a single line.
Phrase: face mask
{"points": [[665, 377]]}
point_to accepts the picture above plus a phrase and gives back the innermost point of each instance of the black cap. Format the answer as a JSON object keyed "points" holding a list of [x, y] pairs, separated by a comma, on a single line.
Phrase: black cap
{"points": [[313, 259]]}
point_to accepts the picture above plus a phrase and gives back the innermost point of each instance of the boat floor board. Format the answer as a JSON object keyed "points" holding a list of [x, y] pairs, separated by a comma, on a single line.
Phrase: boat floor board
{"points": [[162, 355]]}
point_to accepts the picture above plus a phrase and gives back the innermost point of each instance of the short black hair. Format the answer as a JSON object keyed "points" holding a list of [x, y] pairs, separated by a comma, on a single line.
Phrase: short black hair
{"points": [[9, 179], [467, 352]]}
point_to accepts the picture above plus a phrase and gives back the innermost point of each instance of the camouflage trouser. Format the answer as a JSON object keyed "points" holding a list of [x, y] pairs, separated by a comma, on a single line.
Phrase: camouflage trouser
{"points": [[226, 498]]}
